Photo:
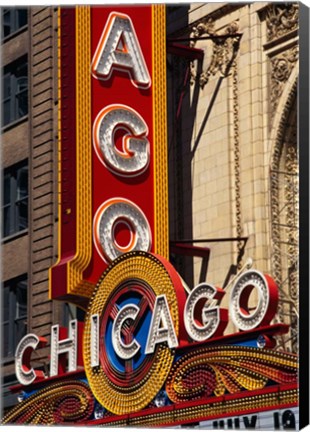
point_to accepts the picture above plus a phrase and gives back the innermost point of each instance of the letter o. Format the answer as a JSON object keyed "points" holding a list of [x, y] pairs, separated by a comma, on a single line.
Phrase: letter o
{"points": [[108, 216], [267, 304]]}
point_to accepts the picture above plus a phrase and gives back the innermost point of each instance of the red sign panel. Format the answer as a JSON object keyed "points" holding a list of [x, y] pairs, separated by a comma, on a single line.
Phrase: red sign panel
{"points": [[112, 142]]}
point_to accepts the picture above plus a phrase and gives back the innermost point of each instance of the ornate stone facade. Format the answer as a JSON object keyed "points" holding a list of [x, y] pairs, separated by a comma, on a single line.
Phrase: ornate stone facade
{"points": [[281, 68], [223, 49], [281, 18], [242, 170], [285, 220], [281, 23]]}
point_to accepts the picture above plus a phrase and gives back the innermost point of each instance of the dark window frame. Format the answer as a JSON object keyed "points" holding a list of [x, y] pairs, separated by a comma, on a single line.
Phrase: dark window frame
{"points": [[15, 91], [14, 198], [11, 319], [17, 20], [71, 312]]}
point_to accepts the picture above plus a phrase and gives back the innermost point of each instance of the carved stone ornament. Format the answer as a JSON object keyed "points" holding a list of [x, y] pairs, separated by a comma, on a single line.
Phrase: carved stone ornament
{"points": [[284, 193], [219, 53], [281, 68], [281, 18]]}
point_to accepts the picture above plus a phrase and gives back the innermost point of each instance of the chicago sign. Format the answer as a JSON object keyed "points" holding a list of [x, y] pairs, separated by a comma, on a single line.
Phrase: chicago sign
{"points": [[143, 335]]}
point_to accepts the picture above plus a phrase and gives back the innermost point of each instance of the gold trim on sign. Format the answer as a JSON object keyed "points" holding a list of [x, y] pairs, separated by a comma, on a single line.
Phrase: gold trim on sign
{"points": [[161, 222], [212, 411], [133, 395], [75, 268], [76, 284], [59, 151]]}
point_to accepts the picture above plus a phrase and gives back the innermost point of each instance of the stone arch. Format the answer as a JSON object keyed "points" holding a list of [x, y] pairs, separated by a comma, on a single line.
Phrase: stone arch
{"points": [[284, 204], [280, 119]]}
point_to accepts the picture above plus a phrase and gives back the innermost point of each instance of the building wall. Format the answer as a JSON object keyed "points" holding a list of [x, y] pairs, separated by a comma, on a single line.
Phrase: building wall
{"points": [[34, 137], [43, 168], [222, 143], [15, 148]]}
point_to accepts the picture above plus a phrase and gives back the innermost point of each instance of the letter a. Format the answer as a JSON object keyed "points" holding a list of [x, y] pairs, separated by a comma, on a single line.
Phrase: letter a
{"points": [[119, 49], [161, 327]]}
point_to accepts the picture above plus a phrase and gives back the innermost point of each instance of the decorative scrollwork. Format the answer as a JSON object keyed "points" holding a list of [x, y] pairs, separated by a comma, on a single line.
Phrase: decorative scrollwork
{"points": [[281, 18], [281, 68], [203, 28], [67, 402], [213, 371], [292, 214], [285, 215], [219, 52]]}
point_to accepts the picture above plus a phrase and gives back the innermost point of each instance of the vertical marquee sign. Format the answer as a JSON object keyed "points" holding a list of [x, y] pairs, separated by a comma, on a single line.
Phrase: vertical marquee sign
{"points": [[112, 151]]}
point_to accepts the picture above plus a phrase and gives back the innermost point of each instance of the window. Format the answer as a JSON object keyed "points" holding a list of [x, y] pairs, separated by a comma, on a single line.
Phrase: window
{"points": [[15, 199], [12, 20], [15, 91], [72, 312], [14, 314]]}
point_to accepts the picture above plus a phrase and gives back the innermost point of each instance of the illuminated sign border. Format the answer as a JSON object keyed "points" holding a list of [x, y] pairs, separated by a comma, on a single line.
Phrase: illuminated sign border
{"points": [[143, 290], [152, 276], [48, 406]]}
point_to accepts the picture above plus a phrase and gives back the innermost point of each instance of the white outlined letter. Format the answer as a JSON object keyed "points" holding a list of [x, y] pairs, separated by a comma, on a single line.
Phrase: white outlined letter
{"points": [[106, 219], [59, 347], [161, 327], [211, 316], [119, 49], [135, 155], [24, 373], [123, 350]]}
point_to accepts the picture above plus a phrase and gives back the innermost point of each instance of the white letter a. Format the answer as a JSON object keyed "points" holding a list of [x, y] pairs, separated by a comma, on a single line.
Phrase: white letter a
{"points": [[119, 49], [161, 327]]}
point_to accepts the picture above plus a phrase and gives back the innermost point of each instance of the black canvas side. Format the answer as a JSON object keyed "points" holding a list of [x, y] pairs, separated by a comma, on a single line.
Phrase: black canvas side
{"points": [[304, 214]]}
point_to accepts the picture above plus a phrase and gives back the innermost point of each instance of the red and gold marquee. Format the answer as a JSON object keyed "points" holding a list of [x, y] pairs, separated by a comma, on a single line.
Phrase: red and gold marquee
{"points": [[149, 353], [112, 142]]}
